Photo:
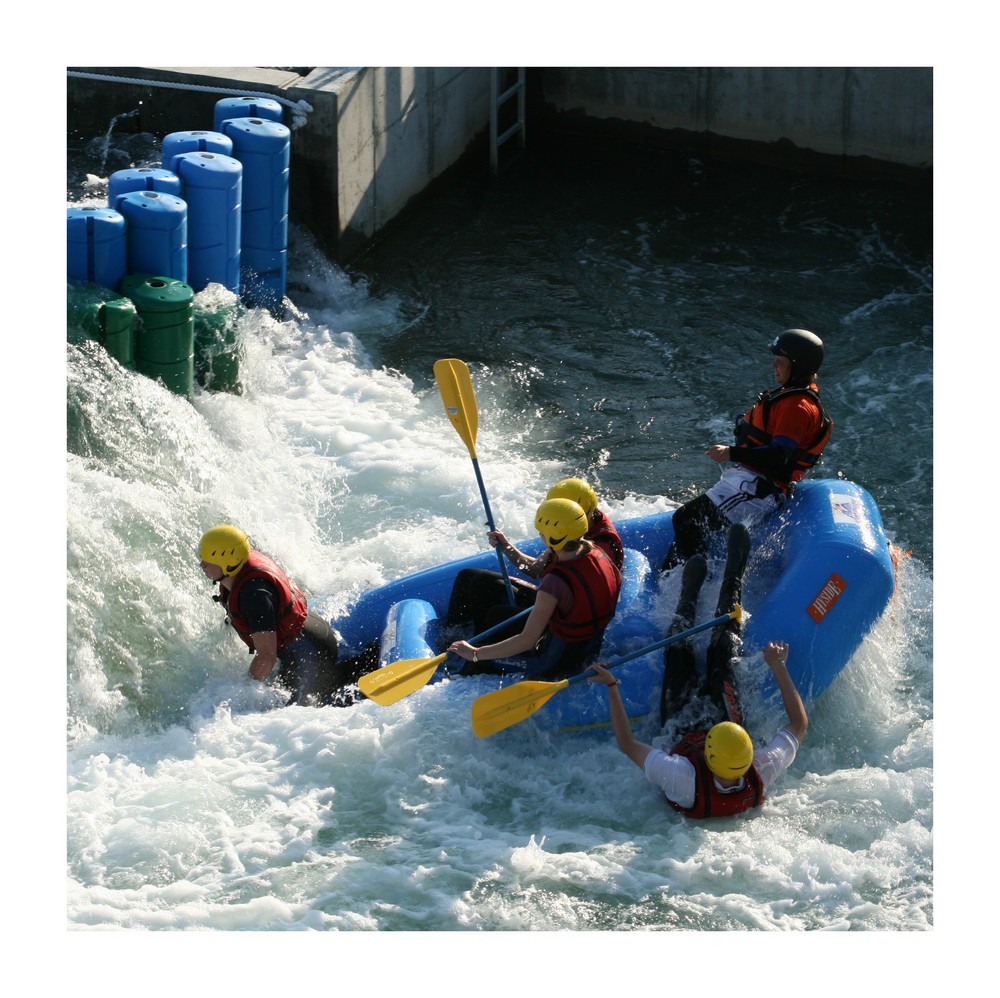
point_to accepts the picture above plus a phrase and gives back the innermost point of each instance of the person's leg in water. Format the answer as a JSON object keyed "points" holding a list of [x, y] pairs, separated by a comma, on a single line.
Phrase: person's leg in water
{"points": [[310, 665], [352, 669], [300, 671], [737, 552], [680, 675], [694, 523], [726, 642]]}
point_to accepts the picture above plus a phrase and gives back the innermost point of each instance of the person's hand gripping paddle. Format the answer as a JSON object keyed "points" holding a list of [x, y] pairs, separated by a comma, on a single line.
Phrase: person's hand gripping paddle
{"points": [[399, 679]]}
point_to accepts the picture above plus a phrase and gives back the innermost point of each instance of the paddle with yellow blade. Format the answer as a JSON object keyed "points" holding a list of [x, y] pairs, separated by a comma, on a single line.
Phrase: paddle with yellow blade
{"points": [[455, 384], [504, 708], [399, 679]]}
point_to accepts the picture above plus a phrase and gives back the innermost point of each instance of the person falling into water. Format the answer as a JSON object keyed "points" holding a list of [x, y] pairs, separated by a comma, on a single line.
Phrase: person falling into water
{"points": [[714, 770], [270, 615]]}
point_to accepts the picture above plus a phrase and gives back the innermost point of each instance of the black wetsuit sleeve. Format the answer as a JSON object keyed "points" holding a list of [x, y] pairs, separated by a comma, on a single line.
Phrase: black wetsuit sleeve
{"points": [[258, 599]]}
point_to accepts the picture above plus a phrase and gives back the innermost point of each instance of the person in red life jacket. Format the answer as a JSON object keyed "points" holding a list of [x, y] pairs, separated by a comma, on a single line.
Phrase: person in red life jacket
{"points": [[576, 600], [777, 442], [270, 615], [715, 773], [481, 595]]}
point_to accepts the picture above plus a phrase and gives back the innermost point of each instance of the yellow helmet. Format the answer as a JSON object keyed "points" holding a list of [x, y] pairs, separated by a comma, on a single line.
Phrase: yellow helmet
{"points": [[560, 521], [577, 490], [728, 750], [225, 546]]}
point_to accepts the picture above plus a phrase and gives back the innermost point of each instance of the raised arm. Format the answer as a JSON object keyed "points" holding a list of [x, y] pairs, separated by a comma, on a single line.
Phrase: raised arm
{"points": [[776, 656], [627, 742]]}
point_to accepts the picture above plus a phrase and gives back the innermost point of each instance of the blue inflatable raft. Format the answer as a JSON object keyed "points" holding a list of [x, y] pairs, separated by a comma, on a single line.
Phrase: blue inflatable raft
{"points": [[819, 576]]}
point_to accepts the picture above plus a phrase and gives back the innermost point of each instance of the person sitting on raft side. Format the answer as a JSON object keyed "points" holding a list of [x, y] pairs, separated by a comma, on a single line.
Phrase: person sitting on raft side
{"points": [[719, 773], [576, 600], [481, 595], [270, 615], [776, 443]]}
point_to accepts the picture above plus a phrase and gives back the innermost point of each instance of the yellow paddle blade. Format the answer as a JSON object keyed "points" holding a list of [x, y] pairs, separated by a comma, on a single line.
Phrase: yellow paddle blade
{"points": [[455, 384], [492, 712], [398, 679]]}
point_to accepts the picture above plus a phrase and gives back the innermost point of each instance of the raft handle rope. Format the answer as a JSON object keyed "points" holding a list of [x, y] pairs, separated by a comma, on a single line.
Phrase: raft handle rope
{"points": [[298, 109]]}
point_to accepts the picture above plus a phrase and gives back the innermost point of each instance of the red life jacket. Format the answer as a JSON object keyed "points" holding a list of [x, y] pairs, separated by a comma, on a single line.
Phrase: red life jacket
{"points": [[291, 609], [596, 582], [753, 429], [604, 534], [709, 800]]}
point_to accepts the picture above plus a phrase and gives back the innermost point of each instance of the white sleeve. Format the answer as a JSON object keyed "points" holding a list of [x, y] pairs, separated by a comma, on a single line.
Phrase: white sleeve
{"points": [[776, 756], [672, 774]]}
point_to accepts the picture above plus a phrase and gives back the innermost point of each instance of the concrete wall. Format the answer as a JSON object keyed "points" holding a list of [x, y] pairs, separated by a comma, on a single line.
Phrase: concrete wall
{"points": [[882, 113], [374, 139], [397, 130], [377, 137]]}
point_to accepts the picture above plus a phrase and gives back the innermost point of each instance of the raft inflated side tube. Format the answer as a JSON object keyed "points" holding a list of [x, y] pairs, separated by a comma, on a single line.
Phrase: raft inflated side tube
{"points": [[629, 628], [165, 337], [156, 233], [142, 179], [96, 246], [410, 631], [246, 107], [264, 149], [95, 313], [178, 143], [829, 579], [212, 188]]}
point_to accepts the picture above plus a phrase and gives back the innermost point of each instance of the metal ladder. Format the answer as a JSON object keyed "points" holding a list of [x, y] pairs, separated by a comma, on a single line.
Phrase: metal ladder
{"points": [[497, 100]]}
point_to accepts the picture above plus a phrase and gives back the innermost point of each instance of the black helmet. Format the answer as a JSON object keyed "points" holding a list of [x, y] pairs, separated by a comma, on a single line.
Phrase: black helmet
{"points": [[803, 349]]}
